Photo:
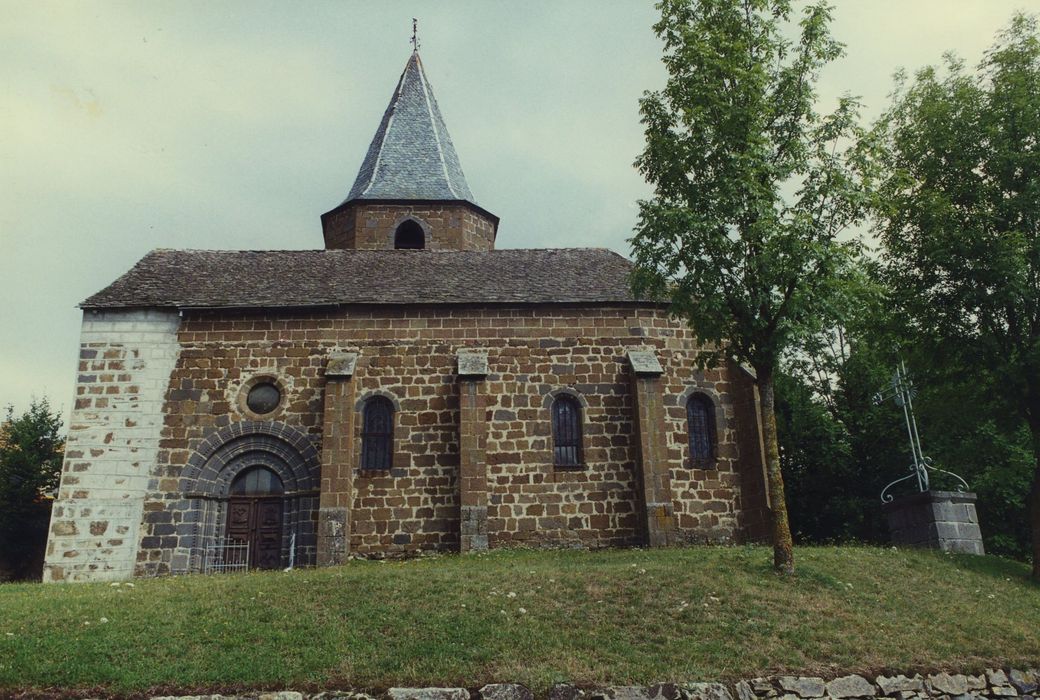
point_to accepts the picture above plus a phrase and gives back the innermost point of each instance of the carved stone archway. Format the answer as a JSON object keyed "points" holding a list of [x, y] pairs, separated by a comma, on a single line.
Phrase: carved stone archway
{"points": [[212, 468]]}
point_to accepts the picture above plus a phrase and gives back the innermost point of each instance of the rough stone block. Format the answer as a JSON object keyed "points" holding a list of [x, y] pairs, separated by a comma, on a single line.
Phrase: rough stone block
{"points": [[428, 694], [665, 691], [705, 691], [996, 676], [947, 684], [341, 365], [762, 686], [505, 691], [890, 685], [621, 692], [1022, 681], [803, 687], [472, 363], [744, 691], [851, 686], [333, 536], [976, 682], [645, 363], [565, 691]]}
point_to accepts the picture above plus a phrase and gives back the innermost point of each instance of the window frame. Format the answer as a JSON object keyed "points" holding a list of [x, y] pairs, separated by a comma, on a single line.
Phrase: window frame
{"points": [[711, 437], [385, 438], [576, 440]]}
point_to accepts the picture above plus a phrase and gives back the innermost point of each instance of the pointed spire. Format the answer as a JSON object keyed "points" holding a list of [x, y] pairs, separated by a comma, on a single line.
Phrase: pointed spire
{"points": [[411, 156]]}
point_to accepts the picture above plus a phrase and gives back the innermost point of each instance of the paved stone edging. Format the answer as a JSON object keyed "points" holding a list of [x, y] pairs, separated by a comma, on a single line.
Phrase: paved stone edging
{"points": [[994, 684]]}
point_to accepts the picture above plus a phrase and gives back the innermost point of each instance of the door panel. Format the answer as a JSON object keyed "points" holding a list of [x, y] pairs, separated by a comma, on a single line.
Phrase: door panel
{"points": [[268, 536], [257, 521]]}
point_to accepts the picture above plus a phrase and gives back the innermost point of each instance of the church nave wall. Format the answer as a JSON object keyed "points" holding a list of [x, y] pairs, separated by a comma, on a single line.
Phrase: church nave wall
{"points": [[410, 355]]}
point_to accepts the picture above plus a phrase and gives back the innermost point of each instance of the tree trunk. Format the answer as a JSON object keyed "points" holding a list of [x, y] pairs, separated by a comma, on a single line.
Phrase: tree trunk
{"points": [[783, 554], [1034, 496]]}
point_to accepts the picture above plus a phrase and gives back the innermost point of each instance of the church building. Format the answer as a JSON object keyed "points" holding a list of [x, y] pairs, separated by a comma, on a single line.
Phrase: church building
{"points": [[407, 388]]}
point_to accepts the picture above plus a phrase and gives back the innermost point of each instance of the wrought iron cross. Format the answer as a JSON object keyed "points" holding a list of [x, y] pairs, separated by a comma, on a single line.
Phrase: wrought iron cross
{"points": [[902, 391], [415, 34]]}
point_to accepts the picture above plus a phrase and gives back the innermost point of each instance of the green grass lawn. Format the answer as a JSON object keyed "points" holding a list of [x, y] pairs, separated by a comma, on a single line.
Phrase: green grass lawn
{"points": [[624, 616]]}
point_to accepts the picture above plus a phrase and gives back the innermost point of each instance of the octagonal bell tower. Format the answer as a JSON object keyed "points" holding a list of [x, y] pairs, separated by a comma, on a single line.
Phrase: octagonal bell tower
{"points": [[410, 192]]}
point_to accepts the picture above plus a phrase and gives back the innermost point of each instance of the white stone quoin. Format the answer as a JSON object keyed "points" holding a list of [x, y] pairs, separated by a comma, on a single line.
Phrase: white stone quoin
{"points": [[126, 358]]}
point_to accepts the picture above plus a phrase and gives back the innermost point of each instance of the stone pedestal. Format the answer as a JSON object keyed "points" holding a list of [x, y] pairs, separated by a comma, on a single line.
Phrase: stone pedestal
{"points": [[654, 483], [473, 515], [337, 469], [943, 520]]}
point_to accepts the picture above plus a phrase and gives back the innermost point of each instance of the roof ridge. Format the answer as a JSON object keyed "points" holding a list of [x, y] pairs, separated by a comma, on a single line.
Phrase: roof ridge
{"points": [[433, 120], [318, 277], [349, 251]]}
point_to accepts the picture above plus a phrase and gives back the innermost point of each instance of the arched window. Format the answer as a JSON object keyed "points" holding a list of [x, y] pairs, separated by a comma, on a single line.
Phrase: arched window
{"points": [[700, 421], [257, 481], [566, 428], [409, 236], [377, 433]]}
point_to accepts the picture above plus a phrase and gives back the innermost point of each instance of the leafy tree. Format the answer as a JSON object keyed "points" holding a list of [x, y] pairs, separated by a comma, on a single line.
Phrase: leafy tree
{"points": [[751, 189], [839, 448], [959, 217], [31, 449], [966, 427]]}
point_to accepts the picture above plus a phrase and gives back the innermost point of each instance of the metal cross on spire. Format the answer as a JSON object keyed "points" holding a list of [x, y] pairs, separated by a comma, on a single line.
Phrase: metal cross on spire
{"points": [[415, 34]]}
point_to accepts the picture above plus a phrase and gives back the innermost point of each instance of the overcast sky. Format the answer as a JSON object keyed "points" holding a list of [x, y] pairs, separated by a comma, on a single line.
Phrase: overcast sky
{"points": [[128, 126]]}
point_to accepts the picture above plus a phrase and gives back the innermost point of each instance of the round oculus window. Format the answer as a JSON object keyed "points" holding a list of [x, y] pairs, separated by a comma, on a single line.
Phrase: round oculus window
{"points": [[263, 398]]}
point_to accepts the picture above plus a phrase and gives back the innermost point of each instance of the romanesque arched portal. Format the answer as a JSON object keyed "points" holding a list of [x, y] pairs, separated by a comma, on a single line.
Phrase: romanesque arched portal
{"points": [[241, 524]]}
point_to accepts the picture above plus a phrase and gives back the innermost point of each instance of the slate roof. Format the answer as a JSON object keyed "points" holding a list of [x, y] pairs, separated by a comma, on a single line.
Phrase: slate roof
{"points": [[411, 156], [301, 278]]}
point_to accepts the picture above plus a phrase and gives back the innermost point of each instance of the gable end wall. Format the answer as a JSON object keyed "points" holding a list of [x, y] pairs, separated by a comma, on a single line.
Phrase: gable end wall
{"points": [[125, 361]]}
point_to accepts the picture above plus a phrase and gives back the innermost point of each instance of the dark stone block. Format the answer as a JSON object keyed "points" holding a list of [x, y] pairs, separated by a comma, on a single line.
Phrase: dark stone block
{"points": [[157, 517], [943, 520]]}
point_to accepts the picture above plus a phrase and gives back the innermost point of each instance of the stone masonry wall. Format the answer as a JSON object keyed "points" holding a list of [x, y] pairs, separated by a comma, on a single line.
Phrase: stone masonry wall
{"points": [[991, 684], [409, 356], [371, 226], [125, 361]]}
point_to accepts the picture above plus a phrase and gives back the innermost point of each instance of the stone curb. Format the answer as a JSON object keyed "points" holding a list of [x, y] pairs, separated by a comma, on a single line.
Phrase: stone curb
{"points": [[994, 684]]}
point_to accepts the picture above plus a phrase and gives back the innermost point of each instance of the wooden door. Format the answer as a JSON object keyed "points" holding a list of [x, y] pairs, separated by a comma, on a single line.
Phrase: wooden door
{"points": [[258, 521]]}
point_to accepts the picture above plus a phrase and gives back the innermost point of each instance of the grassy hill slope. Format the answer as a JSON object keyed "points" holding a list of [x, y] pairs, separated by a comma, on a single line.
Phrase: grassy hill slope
{"points": [[629, 616]]}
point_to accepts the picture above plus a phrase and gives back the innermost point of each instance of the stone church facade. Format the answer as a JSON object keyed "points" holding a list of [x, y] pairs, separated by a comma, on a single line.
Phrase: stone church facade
{"points": [[407, 388]]}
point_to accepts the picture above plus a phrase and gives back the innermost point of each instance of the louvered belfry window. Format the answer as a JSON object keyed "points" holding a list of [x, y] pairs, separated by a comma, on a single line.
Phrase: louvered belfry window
{"points": [[566, 423], [700, 418], [377, 434]]}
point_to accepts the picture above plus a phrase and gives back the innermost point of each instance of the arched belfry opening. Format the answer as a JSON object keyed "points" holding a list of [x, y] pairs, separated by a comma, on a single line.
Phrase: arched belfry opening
{"points": [[409, 236]]}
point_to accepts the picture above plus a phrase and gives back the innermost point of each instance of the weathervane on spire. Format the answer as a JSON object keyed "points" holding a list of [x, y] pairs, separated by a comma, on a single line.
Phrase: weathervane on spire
{"points": [[415, 34]]}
